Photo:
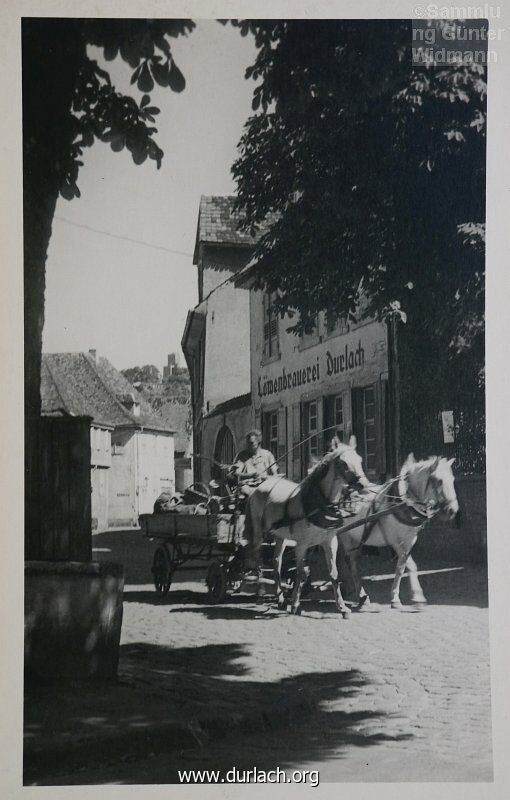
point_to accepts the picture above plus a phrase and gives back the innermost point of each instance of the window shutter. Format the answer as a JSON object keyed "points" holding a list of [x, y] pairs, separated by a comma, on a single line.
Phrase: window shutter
{"points": [[295, 459], [320, 426], [282, 439]]}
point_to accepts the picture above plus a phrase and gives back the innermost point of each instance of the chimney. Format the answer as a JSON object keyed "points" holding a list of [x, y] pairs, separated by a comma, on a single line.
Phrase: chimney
{"points": [[93, 355]]}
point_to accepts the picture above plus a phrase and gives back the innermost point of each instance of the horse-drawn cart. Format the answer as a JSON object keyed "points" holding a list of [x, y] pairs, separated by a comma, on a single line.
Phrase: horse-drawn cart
{"points": [[185, 537]]}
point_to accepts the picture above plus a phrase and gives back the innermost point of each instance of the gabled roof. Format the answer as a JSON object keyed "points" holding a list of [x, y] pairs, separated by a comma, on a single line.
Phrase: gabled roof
{"points": [[79, 385], [241, 401], [218, 223], [178, 417]]}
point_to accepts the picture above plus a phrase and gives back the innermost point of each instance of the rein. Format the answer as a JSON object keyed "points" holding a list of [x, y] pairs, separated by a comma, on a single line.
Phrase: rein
{"points": [[406, 510]]}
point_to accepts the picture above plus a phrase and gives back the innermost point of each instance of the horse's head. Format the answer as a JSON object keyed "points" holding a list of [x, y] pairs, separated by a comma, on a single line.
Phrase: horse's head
{"points": [[349, 465], [432, 482]]}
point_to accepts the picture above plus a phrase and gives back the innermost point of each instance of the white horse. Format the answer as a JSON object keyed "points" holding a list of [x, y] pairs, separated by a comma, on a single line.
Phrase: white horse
{"points": [[405, 504], [300, 515]]}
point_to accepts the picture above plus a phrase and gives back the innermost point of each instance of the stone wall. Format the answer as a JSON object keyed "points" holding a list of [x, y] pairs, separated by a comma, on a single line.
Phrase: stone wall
{"points": [[73, 618]]}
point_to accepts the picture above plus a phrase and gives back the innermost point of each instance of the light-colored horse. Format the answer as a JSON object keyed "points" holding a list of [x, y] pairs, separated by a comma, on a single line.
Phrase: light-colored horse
{"points": [[423, 489], [277, 507]]}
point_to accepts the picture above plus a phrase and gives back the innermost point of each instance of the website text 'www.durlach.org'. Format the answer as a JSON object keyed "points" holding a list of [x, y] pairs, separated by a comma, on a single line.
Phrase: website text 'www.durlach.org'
{"points": [[234, 775]]}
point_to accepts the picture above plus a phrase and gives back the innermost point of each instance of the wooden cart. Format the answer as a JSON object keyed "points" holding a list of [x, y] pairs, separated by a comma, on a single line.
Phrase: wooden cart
{"points": [[213, 538]]}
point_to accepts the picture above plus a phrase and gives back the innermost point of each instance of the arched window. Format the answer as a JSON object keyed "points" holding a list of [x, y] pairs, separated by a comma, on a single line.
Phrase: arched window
{"points": [[225, 449]]}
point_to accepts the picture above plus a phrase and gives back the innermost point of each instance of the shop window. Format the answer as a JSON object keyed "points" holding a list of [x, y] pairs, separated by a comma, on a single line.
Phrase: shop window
{"points": [[311, 431], [271, 339], [365, 426], [335, 417], [270, 431]]}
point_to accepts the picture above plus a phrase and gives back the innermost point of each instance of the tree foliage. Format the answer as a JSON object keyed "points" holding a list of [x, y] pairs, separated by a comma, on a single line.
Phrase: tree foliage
{"points": [[146, 374], [376, 170], [97, 110], [69, 102]]}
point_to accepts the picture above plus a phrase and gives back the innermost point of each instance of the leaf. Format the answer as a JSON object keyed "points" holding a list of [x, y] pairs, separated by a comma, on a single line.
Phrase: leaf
{"points": [[136, 74], [87, 138], [160, 72], [110, 51], [139, 156], [145, 100], [145, 82], [176, 79], [67, 191], [117, 144]]}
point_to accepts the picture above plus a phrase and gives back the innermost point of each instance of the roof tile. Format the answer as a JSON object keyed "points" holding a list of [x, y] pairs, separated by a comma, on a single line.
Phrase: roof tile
{"points": [[76, 384], [218, 223]]}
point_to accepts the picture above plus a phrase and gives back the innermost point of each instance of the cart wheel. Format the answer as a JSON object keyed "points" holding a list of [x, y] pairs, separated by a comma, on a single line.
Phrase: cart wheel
{"points": [[216, 581], [161, 570]]}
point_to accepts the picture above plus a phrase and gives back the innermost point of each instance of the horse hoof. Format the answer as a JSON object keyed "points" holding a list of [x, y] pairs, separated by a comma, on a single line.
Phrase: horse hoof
{"points": [[396, 604], [364, 602], [296, 611], [419, 605], [345, 614]]}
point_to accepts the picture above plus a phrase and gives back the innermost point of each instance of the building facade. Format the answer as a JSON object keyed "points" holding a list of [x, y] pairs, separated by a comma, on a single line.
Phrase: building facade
{"points": [[216, 339], [247, 370], [131, 450], [307, 388]]}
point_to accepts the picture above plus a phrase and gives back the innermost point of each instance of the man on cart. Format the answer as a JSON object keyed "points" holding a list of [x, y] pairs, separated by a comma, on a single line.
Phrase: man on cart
{"points": [[253, 464]]}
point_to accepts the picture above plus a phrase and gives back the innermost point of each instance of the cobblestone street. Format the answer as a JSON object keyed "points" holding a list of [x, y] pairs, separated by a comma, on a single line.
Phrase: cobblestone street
{"points": [[396, 695]]}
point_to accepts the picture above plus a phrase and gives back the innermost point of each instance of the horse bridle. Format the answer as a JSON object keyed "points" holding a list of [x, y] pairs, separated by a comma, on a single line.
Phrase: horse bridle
{"points": [[427, 507]]}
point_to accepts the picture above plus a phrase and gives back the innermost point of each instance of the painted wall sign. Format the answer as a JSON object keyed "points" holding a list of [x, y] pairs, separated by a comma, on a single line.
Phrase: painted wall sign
{"points": [[350, 358]]}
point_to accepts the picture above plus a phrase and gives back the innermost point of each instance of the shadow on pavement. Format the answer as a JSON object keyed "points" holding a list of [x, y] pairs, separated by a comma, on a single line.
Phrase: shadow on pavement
{"points": [[454, 585], [451, 581], [207, 685]]}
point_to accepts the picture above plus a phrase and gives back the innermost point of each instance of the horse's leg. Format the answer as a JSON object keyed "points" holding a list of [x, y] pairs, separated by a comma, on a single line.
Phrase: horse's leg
{"points": [[361, 595], [277, 564], [301, 575], [417, 595], [330, 549], [399, 571]]}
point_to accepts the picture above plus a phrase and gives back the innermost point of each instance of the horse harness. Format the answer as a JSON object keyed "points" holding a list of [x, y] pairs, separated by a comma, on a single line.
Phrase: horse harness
{"points": [[409, 510]]}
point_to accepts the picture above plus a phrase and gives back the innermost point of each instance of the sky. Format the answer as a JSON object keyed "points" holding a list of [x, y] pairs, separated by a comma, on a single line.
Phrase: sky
{"points": [[126, 300]]}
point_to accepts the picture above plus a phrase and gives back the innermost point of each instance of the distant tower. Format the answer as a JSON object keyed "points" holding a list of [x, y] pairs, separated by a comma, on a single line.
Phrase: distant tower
{"points": [[171, 366]]}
